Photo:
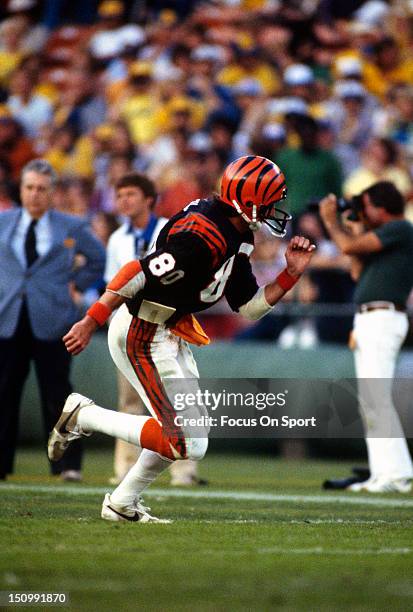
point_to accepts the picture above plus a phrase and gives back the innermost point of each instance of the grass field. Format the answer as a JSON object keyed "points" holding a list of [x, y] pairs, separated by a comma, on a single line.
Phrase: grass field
{"points": [[262, 536]]}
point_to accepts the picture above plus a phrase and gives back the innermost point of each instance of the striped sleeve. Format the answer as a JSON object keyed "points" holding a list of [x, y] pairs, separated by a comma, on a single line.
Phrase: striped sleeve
{"points": [[199, 225], [128, 281]]}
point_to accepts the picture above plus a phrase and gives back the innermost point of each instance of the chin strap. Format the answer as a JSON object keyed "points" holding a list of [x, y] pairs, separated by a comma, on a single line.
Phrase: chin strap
{"points": [[253, 223]]}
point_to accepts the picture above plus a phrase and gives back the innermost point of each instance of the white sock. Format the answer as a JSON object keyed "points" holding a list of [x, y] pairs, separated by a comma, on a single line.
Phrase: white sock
{"points": [[127, 427], [141, 475]]}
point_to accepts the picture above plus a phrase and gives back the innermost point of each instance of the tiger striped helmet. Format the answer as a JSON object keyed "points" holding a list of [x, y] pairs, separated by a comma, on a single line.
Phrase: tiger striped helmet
{"points": [[252, 185]]}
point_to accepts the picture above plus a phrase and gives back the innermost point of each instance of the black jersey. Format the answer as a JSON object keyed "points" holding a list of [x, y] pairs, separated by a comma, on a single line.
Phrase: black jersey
{"points": [[199, 258]]}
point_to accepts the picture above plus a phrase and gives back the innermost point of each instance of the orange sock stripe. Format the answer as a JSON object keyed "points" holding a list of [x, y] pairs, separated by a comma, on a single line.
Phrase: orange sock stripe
{"points": [[125, 274], [153, 439]]}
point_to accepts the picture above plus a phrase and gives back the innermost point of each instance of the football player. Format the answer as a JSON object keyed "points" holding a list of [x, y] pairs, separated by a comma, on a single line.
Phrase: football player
{"points": [[202, 255]]}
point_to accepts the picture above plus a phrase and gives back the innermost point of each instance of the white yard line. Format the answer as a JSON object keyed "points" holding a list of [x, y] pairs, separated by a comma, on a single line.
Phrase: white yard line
{"points": [[312, 550], [352, 499], [319, 550]]}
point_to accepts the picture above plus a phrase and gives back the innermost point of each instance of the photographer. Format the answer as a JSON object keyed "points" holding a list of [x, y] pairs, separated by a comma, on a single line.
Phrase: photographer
{"points": [[380, 244]]}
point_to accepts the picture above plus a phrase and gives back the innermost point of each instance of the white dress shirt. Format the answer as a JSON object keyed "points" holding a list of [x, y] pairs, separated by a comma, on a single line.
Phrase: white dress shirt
{"points": [[121, 247], [43, 233]]}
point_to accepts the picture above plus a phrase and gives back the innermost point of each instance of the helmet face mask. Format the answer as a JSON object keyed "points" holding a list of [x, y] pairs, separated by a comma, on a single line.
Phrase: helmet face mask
{"points": [[253, 185], [275, 218]]}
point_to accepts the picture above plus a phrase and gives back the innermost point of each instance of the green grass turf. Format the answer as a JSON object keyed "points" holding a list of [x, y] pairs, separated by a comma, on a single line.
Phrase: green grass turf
{"points": [[219, 554]]}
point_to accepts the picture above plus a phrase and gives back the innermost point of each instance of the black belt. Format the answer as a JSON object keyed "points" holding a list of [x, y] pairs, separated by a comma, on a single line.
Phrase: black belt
{"points": [[370, 306]]}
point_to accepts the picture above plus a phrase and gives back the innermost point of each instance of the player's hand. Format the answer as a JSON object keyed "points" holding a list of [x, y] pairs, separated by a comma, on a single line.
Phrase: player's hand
{"points": [[328, 209], [78, 337], [298, 255]]}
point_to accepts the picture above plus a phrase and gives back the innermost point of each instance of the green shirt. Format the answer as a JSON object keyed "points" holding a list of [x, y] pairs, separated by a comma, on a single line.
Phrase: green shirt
{"points": [[388, 274], [309, 176]]}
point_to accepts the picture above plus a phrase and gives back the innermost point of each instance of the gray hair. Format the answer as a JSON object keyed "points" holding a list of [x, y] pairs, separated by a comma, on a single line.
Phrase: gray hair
{"points": [[40, 166]]}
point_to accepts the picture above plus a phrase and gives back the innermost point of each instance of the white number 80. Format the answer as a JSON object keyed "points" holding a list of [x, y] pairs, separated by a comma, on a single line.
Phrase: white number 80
{"points": [[161, 265]]}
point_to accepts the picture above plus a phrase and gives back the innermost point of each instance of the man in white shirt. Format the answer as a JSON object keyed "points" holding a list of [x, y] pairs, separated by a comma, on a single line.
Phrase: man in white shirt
{"points": [[135, 197]]}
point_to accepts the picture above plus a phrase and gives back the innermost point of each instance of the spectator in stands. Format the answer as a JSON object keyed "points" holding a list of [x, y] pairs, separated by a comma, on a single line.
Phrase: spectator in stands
{"points": [[141, 105], [250, 64], [78, 196], [298, 82], [60, 152], [353, 123], [113, 34], [221, 135], [120, 142], [81, 105], [31, 110], [104, 196], [250, 98], [394, 119], [310, 171], [11, 51], [218, 99], [380, 161], [15, 148], [7, 189], [389, 67], [34, 33], [269, 140], [182, 184]]}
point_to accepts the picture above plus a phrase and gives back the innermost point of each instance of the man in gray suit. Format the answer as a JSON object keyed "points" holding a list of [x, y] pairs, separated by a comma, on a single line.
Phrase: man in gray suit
{"points": [[39, 272]]}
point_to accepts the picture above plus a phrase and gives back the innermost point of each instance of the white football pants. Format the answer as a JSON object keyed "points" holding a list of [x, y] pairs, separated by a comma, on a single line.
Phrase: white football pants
{"points": [[159, 364], [378, 336]]}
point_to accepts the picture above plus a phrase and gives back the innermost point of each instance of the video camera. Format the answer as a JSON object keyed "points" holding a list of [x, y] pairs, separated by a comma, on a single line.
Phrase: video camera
{"points": [[354, 204]]}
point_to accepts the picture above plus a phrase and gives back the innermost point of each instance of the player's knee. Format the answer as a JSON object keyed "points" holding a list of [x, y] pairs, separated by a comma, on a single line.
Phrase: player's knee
{"points": [[196, 448]]}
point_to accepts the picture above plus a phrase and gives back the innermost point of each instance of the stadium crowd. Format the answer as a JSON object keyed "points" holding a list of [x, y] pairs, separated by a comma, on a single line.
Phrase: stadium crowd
{"points": [[177, 90]]}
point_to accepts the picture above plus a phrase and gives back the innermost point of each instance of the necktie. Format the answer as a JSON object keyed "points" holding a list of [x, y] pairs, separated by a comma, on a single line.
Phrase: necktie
{"points": [[30, 244]]}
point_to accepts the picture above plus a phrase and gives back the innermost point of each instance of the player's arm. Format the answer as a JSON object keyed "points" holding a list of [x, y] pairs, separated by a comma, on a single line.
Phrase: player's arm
{"points": [[125, 284], [362, 244], [258, 301], [182, 257], [298, 256]]}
